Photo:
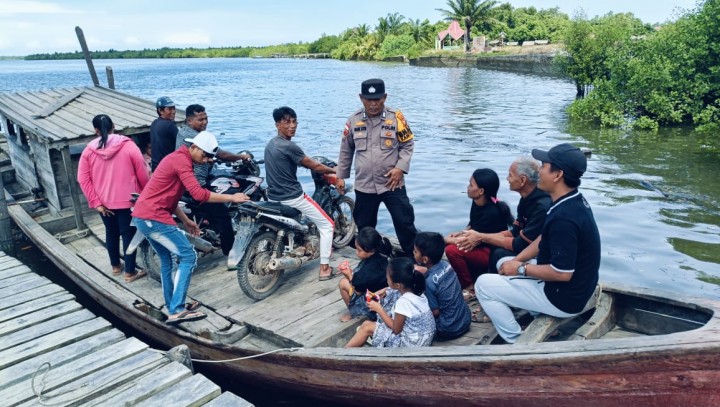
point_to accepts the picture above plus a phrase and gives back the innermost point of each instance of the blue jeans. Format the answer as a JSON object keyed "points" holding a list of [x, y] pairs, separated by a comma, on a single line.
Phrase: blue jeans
{"points": [[168, 240]]}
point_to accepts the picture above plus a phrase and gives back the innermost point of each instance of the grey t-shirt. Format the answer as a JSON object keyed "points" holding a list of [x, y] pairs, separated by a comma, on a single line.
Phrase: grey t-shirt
{"points": [[282, 158]]}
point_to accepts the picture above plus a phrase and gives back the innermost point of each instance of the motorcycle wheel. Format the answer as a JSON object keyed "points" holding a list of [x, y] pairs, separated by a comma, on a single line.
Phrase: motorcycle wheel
{"points": [[147, 257], [254, 281], [342, 215]]}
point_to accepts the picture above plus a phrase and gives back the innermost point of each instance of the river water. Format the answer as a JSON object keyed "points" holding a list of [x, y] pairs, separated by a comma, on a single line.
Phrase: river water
{"points": [[654, 195]]}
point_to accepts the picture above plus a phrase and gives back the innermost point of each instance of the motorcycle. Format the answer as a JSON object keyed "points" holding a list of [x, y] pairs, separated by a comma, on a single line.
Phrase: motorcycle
{"points": [[273, 238]]}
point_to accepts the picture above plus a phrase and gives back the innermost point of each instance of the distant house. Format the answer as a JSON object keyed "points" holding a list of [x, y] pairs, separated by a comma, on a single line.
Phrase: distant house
{"points": [[451, 38]]}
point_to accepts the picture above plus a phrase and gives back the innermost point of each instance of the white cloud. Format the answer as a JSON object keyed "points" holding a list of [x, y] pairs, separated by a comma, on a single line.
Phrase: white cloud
{"points": [[132, 40], [11, 7]]}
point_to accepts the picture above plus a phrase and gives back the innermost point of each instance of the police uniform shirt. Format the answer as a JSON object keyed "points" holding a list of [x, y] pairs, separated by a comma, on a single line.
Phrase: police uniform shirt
{"points": [[378, 145]]}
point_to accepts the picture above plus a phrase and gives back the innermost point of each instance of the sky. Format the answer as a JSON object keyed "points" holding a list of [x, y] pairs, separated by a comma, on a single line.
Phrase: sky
{"points": [[38, 26]]}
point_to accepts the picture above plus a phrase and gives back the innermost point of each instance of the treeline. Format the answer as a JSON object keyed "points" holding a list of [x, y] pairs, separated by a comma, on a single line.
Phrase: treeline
{"points": [[393, 35], [646, 79]]}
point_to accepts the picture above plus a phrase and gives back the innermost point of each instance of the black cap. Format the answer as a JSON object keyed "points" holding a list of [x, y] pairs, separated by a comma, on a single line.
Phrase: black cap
{"points": [[565, 156], [372, 89]]}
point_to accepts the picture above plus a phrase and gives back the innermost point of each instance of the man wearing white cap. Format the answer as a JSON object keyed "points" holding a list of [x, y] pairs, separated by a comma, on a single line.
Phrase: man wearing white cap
{"points": [[153, 217]]}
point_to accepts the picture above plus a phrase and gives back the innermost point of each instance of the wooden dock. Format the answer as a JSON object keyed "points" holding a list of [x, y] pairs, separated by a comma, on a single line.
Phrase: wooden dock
{"points": [[55, 352]]}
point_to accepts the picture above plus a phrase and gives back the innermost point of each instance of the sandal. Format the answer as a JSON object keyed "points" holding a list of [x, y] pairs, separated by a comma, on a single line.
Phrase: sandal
{"points": [[468, 295], [116, 271], [185, 316], [479, 316], [192, 306], [129, 278], [330, 276]]}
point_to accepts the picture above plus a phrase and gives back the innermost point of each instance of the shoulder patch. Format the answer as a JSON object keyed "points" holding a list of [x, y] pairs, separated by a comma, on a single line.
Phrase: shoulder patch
{"points": [[404, 134], [346, 131]]}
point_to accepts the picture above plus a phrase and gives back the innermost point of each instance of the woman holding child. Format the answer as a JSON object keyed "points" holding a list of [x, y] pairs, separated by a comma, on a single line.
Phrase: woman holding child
{"points": [[487, 215]]}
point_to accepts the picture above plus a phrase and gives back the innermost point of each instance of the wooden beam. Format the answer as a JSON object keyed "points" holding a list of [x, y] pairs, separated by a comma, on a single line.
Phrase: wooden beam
{"points": [[88, 58], [73, 188], [602, 321], [50, 109]]}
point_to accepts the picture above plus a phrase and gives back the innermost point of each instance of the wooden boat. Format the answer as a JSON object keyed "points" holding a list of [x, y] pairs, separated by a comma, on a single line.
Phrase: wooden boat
{"points": [[633, 345]]}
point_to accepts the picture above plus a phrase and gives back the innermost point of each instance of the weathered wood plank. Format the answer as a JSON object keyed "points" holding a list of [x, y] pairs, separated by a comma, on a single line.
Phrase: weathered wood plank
{"points": [[37, 317], [60, 389], [13, 300], [18, 311], [48, 110], [43, 328], [193, 391], [141, 390], [72, 355], [602, 321], [52, 341], [9, 267], [34, 282], [17, 279]]}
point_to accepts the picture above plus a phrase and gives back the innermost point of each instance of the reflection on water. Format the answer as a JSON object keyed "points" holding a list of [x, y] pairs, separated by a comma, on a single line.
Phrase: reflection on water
{"points": [[654, 195]]}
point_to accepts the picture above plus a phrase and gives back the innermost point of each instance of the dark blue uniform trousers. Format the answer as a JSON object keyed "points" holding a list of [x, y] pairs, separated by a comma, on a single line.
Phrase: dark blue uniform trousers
{"points": [[401, 212]]}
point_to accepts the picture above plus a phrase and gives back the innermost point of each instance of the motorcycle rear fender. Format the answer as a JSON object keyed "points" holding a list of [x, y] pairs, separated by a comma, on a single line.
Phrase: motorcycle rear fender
{"points": [[245, 232]]}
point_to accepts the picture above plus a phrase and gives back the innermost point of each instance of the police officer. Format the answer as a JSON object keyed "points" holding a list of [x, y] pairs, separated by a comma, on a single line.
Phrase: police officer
{"points": [[382, 144]]}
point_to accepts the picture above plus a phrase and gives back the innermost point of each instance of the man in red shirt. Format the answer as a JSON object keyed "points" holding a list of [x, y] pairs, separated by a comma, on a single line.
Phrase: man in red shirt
{"points": [[153, 217]]}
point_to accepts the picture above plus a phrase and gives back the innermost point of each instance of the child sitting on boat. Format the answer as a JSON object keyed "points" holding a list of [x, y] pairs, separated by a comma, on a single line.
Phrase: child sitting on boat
{"points": [[370, 274], [409, 322], [442, 287]]}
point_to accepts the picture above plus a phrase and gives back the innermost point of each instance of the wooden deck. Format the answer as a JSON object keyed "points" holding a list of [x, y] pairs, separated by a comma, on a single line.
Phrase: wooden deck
{"points": [[304, 312], [80, 359]]}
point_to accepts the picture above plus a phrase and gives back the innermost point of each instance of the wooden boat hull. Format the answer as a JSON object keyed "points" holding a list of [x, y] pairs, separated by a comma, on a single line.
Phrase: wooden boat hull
{"points": [[680, 369]]}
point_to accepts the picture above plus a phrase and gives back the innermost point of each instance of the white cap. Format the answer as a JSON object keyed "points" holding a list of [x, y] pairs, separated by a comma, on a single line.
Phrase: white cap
{"points": [[206, 141]]}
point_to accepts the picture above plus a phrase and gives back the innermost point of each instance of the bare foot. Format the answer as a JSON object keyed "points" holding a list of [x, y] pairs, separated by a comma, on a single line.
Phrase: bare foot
{"points": [[346, 318]]}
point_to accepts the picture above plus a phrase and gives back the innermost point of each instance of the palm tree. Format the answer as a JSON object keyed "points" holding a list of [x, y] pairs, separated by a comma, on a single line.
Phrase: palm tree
{"points": [[394, 22], [420, 31], [468, 13]]}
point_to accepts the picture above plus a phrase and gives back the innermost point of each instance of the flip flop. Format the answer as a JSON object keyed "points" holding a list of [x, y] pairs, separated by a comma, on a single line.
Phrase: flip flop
{"points": [[192, 306], [330, 276], [468, 295], [138, 274], [117, 271], [479, 316], [185, 316]]}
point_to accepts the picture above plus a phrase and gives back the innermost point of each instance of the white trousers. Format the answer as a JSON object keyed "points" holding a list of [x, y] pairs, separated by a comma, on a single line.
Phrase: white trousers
{"points": [[498, 293], [317, 215]]}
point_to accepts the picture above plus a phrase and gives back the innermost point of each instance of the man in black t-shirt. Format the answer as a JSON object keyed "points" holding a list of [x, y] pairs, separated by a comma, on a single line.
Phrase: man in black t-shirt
{"points": [[163, 130], [567, 251]]}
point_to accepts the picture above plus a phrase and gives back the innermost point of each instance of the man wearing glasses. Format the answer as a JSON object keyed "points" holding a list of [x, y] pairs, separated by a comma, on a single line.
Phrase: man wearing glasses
{"points": [[153, 217]]}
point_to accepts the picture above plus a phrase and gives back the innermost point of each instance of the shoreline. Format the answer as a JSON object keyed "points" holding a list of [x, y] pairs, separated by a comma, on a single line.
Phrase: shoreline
{"points": [[535, 64]]}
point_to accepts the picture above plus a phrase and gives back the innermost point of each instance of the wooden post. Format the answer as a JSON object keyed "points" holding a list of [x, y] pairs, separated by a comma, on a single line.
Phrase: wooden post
{"points": [[6, 241], [110, 77], [86, 53], [80, 224]]}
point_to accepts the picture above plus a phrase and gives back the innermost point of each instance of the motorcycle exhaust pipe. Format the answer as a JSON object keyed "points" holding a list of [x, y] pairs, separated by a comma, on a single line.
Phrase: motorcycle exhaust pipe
{"points": [[285, 263], [199, 243]]}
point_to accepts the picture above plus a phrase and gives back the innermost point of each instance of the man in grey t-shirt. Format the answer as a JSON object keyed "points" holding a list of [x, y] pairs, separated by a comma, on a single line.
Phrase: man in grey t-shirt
{"points": [[282, 157]]}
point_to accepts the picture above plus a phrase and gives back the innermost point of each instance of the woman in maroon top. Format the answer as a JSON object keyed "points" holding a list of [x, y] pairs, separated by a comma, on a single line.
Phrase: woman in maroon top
{"points": [[487, 215]]}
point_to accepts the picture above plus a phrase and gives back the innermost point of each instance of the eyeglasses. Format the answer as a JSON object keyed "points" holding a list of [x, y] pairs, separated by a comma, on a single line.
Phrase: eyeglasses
{"points": [[208, 155]]}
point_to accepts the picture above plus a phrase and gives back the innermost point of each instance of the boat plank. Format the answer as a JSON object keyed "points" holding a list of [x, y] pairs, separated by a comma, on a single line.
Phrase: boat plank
{"points": [[602, 321], [327, 330], [39, 304], [228, 399], [35, 281], [45, 327], [39, 292], [72, 355], [62, 389], [52, 341], [141, 390], [193, 391], [478, 334]]}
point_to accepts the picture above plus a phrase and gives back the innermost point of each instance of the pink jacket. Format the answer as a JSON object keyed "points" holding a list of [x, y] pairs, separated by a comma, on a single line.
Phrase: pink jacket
{"points": [[109, 175]]}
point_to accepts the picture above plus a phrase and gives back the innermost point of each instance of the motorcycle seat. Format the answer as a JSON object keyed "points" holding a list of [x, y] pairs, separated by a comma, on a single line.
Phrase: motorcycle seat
{"points": [[284, 210]]}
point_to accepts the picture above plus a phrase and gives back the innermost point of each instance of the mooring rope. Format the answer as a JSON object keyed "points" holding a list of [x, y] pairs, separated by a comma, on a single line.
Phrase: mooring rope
{"points": [[236, 359]]}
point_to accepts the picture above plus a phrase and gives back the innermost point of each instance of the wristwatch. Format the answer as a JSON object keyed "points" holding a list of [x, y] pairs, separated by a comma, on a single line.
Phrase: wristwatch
{"points": [[521, 269]]}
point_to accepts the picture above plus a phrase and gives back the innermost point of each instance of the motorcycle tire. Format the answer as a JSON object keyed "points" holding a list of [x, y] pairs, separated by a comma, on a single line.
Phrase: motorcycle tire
{"points": [[345, 228], [253, 282], [149, 260]]}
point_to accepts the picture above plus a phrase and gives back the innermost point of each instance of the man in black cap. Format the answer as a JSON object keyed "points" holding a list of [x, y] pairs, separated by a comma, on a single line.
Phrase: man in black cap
{"points": [[382, 144], [163, 130], [567, 251]]}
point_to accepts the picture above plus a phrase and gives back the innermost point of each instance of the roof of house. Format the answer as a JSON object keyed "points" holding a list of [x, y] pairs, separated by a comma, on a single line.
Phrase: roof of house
{"points": [[454, 30], [65, 115]]}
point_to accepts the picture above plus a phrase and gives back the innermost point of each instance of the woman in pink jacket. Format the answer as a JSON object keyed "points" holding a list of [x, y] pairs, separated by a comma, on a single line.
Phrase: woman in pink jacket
{"points": [[112, 168]]}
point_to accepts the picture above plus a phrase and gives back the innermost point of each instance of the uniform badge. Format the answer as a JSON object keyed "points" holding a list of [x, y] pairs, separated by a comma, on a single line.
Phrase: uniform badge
{"points": [[388, 122], [388, 143], [388, 134], [404, 134], [359, 124], [346, 131]]}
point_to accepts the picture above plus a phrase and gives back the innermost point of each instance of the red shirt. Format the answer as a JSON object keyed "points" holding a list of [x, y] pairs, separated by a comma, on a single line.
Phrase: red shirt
{"points": [[171, 178]]}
